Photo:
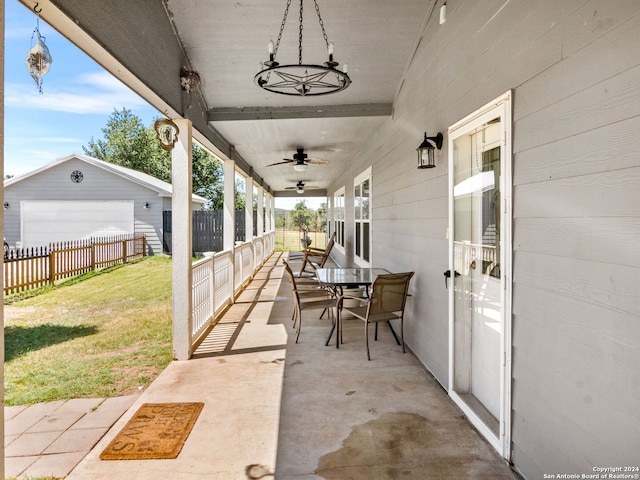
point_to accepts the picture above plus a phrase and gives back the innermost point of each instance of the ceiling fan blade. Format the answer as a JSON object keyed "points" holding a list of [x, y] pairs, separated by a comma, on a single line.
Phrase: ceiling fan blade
{"points": [[317, 161], [286, 160], [306, 161]]}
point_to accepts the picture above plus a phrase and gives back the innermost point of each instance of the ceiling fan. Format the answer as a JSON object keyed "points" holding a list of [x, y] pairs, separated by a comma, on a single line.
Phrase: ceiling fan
{"points": [[301, 187], [300, 161]]}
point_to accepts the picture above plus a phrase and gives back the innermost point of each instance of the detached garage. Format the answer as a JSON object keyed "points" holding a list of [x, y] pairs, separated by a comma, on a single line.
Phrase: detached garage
{"points": [[78, 197]]}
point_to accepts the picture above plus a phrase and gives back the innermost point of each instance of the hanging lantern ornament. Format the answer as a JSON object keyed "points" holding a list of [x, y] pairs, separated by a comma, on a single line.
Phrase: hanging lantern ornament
{"points": [[38, 59]]}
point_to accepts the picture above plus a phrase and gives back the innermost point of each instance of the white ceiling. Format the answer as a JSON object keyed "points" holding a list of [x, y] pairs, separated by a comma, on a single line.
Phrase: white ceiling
{"points": [[145, 43], [226, 41]]}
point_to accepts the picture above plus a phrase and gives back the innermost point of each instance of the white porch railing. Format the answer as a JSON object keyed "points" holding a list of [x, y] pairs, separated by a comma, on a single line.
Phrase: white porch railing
{"points": [[466, 254], [219, 277]]}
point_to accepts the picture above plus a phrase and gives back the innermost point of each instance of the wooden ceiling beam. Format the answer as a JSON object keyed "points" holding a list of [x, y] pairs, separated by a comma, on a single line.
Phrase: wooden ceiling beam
{"points": [[282, 113]]}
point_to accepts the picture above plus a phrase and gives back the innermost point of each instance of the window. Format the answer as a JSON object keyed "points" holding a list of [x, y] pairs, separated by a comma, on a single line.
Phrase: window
{"points": [[362, 217], [338, 217]]}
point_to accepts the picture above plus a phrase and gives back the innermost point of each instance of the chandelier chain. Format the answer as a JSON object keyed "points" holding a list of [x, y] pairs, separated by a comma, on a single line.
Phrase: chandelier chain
{"points": [[300, 36], [301, 79], [284, 20], [324, 34]]}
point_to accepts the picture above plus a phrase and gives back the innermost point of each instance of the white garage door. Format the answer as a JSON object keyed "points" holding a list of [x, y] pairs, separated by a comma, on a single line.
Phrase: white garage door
{"points": [[44, 222]]}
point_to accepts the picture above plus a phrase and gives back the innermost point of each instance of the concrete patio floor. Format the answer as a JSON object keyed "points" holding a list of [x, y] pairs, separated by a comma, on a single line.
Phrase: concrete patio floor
{"points": [[277, 409]]}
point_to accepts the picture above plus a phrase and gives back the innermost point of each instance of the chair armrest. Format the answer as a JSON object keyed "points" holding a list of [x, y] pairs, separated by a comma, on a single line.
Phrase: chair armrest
{"points": [[363, 301]]}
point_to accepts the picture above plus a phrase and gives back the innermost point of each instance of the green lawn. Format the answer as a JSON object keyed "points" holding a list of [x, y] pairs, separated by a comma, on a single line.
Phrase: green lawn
{"points": [[105, 336], [289, 240]]}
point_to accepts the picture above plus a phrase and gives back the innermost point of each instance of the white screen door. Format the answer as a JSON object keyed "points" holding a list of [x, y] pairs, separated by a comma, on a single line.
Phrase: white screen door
{"points": [[479, 275]]}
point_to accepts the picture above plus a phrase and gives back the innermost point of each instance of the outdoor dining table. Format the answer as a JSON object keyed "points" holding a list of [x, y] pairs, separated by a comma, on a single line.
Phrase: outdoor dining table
{"points": [[337, 279]]}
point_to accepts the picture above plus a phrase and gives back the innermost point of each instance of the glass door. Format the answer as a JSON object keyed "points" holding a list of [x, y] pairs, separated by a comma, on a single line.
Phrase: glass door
{"points": [[479, 246]]}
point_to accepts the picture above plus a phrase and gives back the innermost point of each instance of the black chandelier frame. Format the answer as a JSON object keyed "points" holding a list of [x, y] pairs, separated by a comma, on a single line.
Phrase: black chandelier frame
{"points": [[301, 79]]}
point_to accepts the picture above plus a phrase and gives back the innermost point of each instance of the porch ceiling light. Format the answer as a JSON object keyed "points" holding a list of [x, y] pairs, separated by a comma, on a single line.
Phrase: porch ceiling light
{"points": [[426, 150], [302, 79]]}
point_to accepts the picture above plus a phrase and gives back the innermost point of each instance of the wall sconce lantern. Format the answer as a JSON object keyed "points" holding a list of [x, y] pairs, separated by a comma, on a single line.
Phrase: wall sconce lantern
{"points": [[426, 150], [6, 205], [146, 205]]}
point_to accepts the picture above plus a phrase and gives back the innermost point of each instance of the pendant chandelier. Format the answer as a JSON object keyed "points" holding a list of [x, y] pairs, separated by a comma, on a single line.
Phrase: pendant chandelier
{"points": [[301, 79]]}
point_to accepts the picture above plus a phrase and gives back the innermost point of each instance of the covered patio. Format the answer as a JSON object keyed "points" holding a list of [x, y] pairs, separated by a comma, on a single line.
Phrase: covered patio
{"points": [[277, 409], [520, 219]]}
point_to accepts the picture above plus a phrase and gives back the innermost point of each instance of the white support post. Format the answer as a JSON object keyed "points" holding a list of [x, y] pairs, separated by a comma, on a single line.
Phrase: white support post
{"points": [[248, 210], [272, 215], [260, 211], [2, 220], [229, 206], [181, 220], [273, 212], [229, 227], [248, 222]]}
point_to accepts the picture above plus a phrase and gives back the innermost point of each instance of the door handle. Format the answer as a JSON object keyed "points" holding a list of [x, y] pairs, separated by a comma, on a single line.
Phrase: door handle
{"points": [[447, 276]]}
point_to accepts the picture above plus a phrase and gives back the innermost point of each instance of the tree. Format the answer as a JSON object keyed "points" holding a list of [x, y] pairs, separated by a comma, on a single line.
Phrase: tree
{"points": [[127, 142], [240, 192], [208, 175], [321, 218], [301, 216]]}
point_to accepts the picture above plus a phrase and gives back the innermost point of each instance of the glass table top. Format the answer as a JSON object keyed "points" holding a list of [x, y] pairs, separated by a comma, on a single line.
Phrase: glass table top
{"points": [[348, 276]]}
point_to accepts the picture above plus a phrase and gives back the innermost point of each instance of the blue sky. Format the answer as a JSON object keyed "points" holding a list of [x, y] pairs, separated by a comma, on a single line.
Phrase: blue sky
{"points": [[78, 97]]}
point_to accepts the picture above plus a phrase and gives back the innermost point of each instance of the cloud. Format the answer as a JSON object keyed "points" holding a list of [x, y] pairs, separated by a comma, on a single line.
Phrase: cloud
{"points": [[88, 93]]}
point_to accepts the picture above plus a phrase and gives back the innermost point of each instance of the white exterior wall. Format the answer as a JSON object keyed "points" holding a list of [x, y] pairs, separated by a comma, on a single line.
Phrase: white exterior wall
{"points": [[574, 68], [55, 184]]}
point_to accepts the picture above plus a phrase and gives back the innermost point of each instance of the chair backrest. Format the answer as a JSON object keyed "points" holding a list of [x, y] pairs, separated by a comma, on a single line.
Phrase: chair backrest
{"points": [[389, 293], [287, 269], [327, 251], [292, 280], [320, 256], [330, 243]]}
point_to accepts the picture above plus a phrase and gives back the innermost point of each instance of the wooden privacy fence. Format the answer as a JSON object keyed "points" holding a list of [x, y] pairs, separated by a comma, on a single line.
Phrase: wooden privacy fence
{"points": [[207, 229], [35, 267]]}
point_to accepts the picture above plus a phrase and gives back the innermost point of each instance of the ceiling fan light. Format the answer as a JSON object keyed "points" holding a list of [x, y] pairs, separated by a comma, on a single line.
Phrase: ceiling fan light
{"points": [[299, 167], [300, 190]]}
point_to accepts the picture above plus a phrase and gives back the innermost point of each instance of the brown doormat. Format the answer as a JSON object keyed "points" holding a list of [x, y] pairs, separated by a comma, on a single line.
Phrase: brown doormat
{"points": [[157, 430]]}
